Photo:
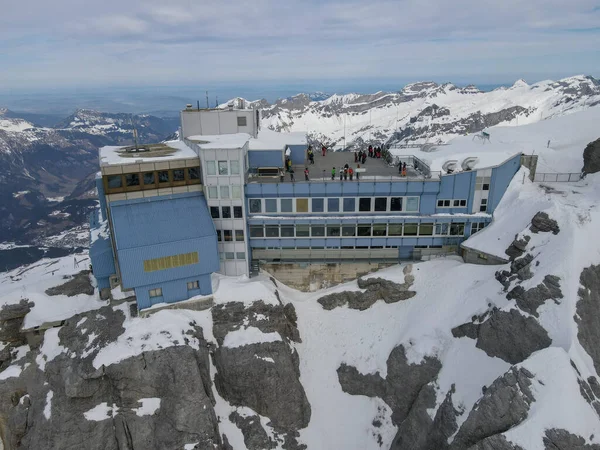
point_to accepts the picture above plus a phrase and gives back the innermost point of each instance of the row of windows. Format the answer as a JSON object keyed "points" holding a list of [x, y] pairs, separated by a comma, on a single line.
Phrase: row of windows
{"points": [[333, 205], [344, 247], [157, 292], [170, 262], [451, 203], [477, 226], [228, 235], [232, 255], [360, 230], [224, 192], [151, 180], [224, 212], [231, 167]]}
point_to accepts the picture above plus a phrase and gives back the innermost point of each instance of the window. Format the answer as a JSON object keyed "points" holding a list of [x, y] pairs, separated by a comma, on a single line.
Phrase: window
{"points": [[457, 229], [149, 178], [333, 204], [241, 121], [219, 237], [224, 190], [240, 255], [396, 204], [477, 226], [379, 229], [286, 205], [318, 205], [211, 168], [364, 230], [287, 231], [214, 212], [272, 231], [349, 230], [395, 229], [486, 187], [237, 212], [114, 181], [410, 229], [317, 230], [236, 191], [169, 262], [459, 203], [213, 192], [239, 235], [227, 236], [302, 230], [301, 205], [178, 175], [257, 231], [132, 179], [193, 173], [443, 203], [226, 212], [441, 229], [412, 204], [482, 183], [381, 204], [349, 204], [223, 168], [425, 229], [234, 165], [191, 285], [155, 292], [483, 206], [271, 205], [163, 176], [333, 231], [255, 205], [364, 204], [229, 255]]}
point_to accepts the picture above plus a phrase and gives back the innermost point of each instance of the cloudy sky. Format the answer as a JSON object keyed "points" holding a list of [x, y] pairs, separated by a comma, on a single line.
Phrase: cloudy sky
{"points": [[149, 42]]}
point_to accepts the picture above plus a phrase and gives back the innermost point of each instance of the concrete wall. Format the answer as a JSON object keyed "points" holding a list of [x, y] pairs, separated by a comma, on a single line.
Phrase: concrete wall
{"points": [[213, 122], [473, 256]]}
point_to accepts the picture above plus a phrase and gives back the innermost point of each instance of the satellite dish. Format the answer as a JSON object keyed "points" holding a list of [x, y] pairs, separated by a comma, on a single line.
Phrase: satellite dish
{"points": [[450, 166], [469, 163]]}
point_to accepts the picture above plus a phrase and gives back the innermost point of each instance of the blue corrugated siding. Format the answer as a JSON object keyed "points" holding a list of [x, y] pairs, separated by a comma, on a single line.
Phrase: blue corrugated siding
{"points": [[265, 158], [101, 256], [501, 178], [103, 283], [298, 153], [173, 291]]}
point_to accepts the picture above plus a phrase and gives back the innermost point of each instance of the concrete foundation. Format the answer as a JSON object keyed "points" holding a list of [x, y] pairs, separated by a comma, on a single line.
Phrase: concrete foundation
{"points": [[309, 277], [473, 256], [197, 304]]}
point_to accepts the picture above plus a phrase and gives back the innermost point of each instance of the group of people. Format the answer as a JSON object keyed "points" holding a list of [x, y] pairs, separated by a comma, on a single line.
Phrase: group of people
{"points": [[310, 154], [345, 173], [402, 169], [371, 152]]}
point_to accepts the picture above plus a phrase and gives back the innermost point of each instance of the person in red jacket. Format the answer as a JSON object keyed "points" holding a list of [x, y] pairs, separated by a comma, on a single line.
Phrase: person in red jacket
{"points": [[324, 149], [350, 173], [306, 173]]}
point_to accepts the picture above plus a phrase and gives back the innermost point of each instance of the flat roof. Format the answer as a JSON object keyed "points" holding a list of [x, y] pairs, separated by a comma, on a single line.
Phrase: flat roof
{"points": [[220, 141], [274, 140], [164, 151]]}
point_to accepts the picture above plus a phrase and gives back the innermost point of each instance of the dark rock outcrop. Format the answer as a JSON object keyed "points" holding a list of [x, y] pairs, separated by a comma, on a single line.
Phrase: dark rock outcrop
{"points": [[557, 439], [591, 158], [495, 442], [530, 300], [542, 223], [255, 437], [78, 284], [506, 335], [588, 311], [517, 247], [11, 321]]}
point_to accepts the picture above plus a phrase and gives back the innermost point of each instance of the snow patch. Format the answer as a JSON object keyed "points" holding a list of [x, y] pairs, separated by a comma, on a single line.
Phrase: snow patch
{"points": [[247, 336]]}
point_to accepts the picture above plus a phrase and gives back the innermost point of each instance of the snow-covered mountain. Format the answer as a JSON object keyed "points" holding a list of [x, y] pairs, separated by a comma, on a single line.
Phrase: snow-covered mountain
{"points": [[427, 112], [433, 355]]}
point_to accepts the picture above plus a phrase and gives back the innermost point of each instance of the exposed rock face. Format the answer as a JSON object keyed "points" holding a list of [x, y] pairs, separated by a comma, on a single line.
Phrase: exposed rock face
{"points": [[507, 335], [557, 439], [520, 267], [78, 284], [588, 311], [591, 158], [542, 223], [495, 442], [530, 300], [376, 289], [255, 437], [504, 405], [517, 248], [11, 321]]}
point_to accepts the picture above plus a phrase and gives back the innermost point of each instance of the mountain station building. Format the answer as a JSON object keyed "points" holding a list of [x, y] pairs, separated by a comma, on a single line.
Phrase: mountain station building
{"points": [[220, 199]]}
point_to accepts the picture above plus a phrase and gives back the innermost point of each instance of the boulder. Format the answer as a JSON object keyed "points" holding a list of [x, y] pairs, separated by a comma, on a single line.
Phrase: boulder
{"points": [[542, 223], [11, 321], [517, 247], [591, 158]]}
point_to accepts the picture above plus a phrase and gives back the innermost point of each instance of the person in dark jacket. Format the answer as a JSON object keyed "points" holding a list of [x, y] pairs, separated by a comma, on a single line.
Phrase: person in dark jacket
{"points": [[306, 173]]}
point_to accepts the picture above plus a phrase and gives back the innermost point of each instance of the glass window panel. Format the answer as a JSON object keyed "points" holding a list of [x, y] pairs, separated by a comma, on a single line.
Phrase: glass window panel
{"points": [[224, 191], [349, 204], [114, 181], [456, 203], [213, 192], [241, 121], [234, 165], [302, 230], [211, 168], [379, 229], [395, 229], [426, 229], [193, 173], [349, 230], [240, 255], [333, 230], [178, 175], [226, 212], [271, 205], [440, 203], [364, 230], [239, 235], [163, 176], [381, 204], [229, 255], [441, 229], [227, 235], [286, 205], [457, 229], [237, 212], [223, 168], [219, 236], [132, 179], [236, 191], [410, 229], [301, 205], [257, 231], [149, 178], [191, 285], [318, 205], [364, 204], [272, 230], [317, 230], [412, 204], [255, 205], [333, 204], [396, 204], [287, 230], [214, 212], [463, 203]]}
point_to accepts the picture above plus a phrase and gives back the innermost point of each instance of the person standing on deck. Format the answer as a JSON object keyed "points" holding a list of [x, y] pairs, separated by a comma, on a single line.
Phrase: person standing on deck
{"points": [[341, 174], [357, 172], [291, 175], [323, 149], [306, 173], [333, 173], [350, 172]]}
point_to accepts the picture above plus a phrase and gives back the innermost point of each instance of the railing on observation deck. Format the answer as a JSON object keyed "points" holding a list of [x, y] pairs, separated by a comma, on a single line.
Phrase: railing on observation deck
{"points": [[556, 177], [325, 177]]}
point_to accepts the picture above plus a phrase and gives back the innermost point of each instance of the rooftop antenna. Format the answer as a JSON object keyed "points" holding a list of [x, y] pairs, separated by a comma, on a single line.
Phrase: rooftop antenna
{"points": [[217, 101], [198, 105], [135, 135], [207, 100]]}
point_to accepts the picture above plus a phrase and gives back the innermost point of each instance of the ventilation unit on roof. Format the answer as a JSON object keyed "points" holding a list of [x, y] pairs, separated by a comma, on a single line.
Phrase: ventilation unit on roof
{"points": [[230, 106], [450, 166], [188, 106], [469, 163]]}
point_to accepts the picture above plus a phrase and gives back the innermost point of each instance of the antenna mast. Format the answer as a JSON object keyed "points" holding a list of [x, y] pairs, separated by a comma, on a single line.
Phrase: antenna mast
{"points": [[207, 100], [135, 135]]}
